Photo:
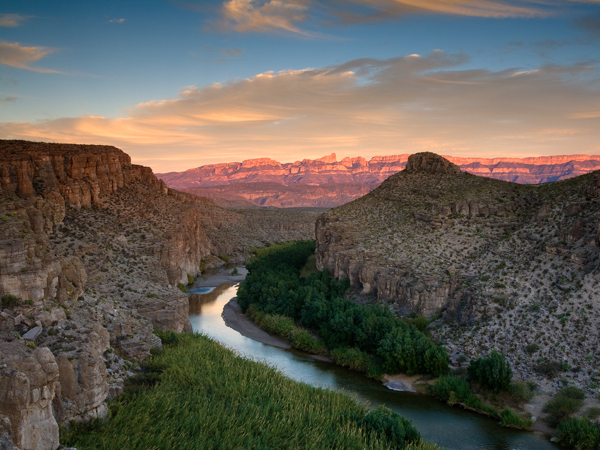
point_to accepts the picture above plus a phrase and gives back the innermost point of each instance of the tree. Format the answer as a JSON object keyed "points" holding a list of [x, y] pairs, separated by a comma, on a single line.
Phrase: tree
{"points": [[493, 372]]}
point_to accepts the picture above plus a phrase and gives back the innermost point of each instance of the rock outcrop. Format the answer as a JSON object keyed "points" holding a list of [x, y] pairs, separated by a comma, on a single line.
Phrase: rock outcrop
{"points": [[92, 251], [326, 182], [482, 257]]}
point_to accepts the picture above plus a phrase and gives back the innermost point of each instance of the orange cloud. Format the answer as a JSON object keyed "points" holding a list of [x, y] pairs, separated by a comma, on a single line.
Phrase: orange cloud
{"points": [[254, 15], [364, 107], [11, 20], [15, 55]]}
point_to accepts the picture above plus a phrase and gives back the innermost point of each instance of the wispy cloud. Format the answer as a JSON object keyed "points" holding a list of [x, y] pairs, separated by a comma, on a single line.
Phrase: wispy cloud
{"points": [[117, 20], [15, 55], [362, 107], [271, 15], [231, 51], [7, 99], [11, 20]]}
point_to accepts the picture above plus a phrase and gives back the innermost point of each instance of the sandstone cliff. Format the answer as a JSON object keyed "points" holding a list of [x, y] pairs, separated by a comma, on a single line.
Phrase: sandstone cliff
{"points": [[92, 249], [501, 265], [326, 182]]}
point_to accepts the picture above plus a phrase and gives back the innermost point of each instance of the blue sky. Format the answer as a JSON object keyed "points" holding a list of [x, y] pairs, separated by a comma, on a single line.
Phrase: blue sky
{"points": [[178, 84]]}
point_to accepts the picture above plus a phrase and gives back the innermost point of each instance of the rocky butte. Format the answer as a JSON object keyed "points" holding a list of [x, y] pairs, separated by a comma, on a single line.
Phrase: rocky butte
{"points": [[494, 264], [92, 249], [326, 182]]}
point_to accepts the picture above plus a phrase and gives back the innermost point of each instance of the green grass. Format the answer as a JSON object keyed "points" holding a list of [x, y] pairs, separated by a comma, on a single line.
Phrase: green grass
{"points": [[579, 434], [197, 394]]}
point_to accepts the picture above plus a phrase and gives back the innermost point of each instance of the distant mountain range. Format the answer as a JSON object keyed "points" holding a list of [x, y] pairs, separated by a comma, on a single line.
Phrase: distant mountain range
{"points": [[326, 182]]}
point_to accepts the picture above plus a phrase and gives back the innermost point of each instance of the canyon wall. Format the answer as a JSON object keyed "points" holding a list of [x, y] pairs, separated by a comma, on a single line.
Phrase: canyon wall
{"points": [[92, 250], [326, 182]]}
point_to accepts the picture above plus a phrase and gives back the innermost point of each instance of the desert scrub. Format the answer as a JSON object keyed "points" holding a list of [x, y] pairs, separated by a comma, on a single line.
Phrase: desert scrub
{"points": [[225, 258], [181, 287], [579, 434], [10, 301], [198, 394], [566, 402], [190, 279]]}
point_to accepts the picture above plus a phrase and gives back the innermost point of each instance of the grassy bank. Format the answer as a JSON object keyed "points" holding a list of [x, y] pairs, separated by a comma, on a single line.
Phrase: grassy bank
{"points": [[197, 394]]}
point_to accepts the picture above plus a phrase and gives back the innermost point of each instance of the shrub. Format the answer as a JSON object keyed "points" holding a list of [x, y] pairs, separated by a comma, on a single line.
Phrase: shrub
{"points": [[225, 258], [396, 428], [167, 337], [190, 279], [592, 413], [234, 271], [152, 295], [567, 401], [10, 301], [532, 348], [181, 287], [492, 373], [453, 390], [30, 344], [509, 419], [202, 266], [549, 369], [521, 391], [579, 434]]}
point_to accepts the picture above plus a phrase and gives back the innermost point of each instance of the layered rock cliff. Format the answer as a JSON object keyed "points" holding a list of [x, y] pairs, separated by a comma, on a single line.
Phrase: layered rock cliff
{"points": [[501, 265], [92, 249], [326, 182]]}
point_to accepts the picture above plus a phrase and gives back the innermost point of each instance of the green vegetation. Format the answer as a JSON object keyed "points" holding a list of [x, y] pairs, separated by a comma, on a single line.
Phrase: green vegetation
{"points": [[310, 267], [10, 301], [196, 394], [181, 287], [202, 266], [151, 295], [225, 258], [380, 342], [190, 279], [234, 271], [567, 401], [286, 328], [579, 434], [532, 348], [492, 373]]}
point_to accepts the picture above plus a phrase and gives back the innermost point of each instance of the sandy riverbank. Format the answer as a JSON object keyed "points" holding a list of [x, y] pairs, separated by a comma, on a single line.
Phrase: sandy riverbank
{"points": [[235, 319]]}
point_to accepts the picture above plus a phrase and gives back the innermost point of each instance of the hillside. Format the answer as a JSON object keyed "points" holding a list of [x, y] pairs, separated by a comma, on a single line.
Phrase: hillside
{"points": [[326, 182], [92, 249], [502, 265]]}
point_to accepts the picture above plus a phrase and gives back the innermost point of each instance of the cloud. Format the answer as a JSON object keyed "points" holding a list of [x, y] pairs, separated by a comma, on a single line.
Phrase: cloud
{"points": [[15, 55], [117, 20], [591, 24], [11, 20], [271, 15], [363, 107], [7, 99], [231, 51]]}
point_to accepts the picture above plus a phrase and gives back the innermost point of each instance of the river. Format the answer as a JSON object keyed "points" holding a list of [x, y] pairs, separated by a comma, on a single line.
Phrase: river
{"points": [[452, 428]]}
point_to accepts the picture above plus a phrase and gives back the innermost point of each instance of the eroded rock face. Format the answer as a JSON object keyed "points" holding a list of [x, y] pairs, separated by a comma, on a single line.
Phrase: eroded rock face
{"points": [[28, 381], [430, 162]]}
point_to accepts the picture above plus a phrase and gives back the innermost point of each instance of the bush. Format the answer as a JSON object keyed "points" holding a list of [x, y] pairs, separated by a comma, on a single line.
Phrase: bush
{"points": [[579, 434], [234, 271], [509, 419], [151, 295], [181, 287], [167, 337], [398, 430], [492, 373], [225, 258], [10, 301], [532, 348], [521, 391], [549, 369], [455, 390], [567, 401], [190, 279], [202, 266]]}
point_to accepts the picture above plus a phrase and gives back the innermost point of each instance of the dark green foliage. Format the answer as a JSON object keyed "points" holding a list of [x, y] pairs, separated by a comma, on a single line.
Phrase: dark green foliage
{"points": [[190, 279], [200, 395], [579, 434], [492, 373], [549, 369], [532, 348], [274, 286], [398, 430], [567, 401], [10, 301], [167, 337], [181, 287], [509, 419], [234, 271], [521, 391], [456, 390]]}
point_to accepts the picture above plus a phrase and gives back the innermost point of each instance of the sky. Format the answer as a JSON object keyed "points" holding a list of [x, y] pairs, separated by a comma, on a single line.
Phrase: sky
{"points": [[182, 83]]}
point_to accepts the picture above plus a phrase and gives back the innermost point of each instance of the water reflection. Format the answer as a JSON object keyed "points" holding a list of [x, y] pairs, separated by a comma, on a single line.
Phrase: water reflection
{"points": [[453, 428]]}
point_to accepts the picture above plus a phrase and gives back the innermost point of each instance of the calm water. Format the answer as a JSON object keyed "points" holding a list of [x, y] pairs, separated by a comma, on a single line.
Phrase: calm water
{"points": [[453, 428]]}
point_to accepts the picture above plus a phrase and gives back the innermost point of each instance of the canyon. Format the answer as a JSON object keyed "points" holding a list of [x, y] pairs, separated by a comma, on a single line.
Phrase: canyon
{"points": [[492, 264], [95, 253], [326, 182]]}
